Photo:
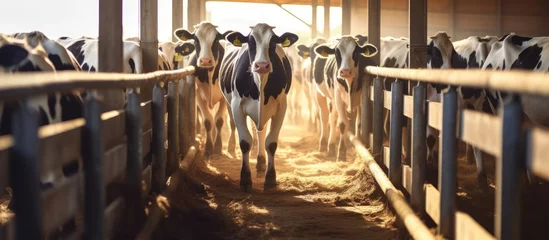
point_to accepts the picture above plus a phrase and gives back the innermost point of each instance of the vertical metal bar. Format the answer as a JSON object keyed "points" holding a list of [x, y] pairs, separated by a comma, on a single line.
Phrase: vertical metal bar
{"points": [[374, 26], [366, 113], [397, 109], [419, 149], [447, 168], [177, 17], [134, 162], [507, 212], [159, 154], [24, 173], [183, 118], [346, 15], [326, 19], [378, 120], [192, 110], [314, 25], [92, 154], [173, 127]]}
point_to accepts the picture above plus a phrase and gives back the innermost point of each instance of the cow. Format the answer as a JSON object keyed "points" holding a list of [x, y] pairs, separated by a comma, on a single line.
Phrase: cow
{"points": [[177, 53], [256, 77], [294, 108], [34, 52], [344, 72], [208, 54]]}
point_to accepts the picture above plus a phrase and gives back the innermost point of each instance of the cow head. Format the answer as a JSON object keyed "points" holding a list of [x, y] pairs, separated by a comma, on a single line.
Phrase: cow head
{"points": [[262, 44], [440, 51], [361, 40], [206, 39], [351, 59]]}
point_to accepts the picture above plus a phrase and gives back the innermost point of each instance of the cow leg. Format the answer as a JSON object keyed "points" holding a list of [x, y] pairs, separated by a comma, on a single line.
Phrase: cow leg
{"points": [[352, 123], [482, 180], [260, 166], [272, 143], [245, 146], [232, 137], [334, 134], [324, 122], [469, 153], [221, 112], [208, 124]]}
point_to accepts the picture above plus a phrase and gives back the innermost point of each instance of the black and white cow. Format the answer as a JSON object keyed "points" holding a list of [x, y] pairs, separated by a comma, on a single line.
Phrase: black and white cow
{"points": [[177, 53], [256, 77], [294, 108], [344, 71], [34, 52], [206, 59]]}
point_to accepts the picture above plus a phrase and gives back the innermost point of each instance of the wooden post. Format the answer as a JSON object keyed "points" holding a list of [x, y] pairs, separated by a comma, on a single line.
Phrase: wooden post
{"points": [[366, 113], [24, 173], [418, 34], [508, 168], [148, 39], [177, 17], [452, 18], [192, 109], [184, 119], [202, 10], [314, 27], [193, 13], [447, 167], [173, 128], [92, 154], [419, 150], [499, 7], [110, 49], [158, 150], [326, 32], [134, 164], [395, 145], [374, 26], [346, 17], [377, 150]]}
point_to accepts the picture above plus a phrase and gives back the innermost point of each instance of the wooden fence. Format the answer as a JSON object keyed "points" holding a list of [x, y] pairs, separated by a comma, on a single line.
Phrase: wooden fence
{"points": [[120, 155], [502, 136]]}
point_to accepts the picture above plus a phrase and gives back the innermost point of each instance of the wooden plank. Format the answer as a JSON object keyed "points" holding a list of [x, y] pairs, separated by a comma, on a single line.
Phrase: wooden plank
{"points": [[114, 128], [60, 204], [432, 202], [407, 178], [6, 142], [59, 145], [147, 139], [481, 130], [114, 163], [538, 140], [468, 229], [147, 179], [387, 99], [386, 156], [408, 106], [434, 110], [7, 230], [113, 214]]}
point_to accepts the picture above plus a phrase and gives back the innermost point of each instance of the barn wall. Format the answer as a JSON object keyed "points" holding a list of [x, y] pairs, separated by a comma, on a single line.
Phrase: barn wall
{"points": [[471, 17]]}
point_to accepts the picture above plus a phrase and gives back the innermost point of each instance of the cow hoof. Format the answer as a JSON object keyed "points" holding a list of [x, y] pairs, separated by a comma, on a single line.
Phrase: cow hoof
{"points": [[246, 187], [331, 150], [270, 185], [232, 153], [261, 163], [342, 158], [323, 146], [270, 179], [246, 181], [209, 149]]}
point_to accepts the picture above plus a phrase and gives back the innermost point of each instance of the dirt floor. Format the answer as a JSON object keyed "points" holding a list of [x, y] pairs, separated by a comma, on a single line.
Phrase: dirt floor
{"points": [[316, 198]]}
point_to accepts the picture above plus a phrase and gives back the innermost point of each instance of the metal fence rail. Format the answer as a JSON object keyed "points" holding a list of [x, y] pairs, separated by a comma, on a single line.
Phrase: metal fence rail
{"points": [[499, 135], [117, 151]]}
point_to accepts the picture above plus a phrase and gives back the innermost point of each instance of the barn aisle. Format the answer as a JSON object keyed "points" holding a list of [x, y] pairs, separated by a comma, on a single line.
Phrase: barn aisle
{"points": [[316, 198]]}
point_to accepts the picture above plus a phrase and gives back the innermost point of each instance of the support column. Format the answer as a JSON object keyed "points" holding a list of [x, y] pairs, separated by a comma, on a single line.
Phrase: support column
{"points": [[374, 25], [417, 25], [346, 17], [314, 26], [326, 31], [452, 18], [193, 14], [148, 39], [177, 17]]}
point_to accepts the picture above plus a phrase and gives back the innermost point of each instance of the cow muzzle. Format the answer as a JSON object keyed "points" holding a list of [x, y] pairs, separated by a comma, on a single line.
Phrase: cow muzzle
{"points": [[205, 62], [261, 67], [345, 73]]}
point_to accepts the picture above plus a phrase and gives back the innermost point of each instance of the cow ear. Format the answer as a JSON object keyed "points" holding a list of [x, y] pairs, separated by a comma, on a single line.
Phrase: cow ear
{"points": [[324, 51], [225, 34], [303, 51], [368, 50], [11, 55], [183, 34], [361, 39], [186, 49], [287, 39], [236, 38]]}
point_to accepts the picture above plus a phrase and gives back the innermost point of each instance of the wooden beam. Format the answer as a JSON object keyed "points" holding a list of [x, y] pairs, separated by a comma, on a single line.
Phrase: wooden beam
{"points": [[346, 17], [314, 27], [177, 17], [452, 16], [417, 25], [202, 10], [374, 25], [326, 19], [148, 40], [193, 14], [499, 7]]}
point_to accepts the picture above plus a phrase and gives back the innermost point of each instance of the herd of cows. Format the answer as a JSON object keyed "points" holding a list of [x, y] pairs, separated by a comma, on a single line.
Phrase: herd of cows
{"points": [[262, 74]]}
